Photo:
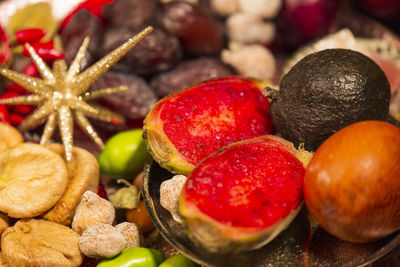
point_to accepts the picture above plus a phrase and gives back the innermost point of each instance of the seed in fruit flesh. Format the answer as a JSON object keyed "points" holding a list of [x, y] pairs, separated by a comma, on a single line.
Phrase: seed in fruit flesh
{"points": [[245, 194], [352, 184], [326, 91], [184, 128]]}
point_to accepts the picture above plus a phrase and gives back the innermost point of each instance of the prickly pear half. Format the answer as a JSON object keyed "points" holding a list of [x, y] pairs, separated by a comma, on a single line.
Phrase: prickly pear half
{"points": [[245, 194], [184, 128]]}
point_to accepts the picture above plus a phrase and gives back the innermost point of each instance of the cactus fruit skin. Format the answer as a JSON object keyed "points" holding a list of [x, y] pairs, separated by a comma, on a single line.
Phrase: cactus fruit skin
{"points": [[185, 127], [245, 194]]}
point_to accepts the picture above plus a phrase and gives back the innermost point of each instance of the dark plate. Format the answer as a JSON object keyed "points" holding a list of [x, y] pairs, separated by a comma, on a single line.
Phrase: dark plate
{"points": [[304, 243]]}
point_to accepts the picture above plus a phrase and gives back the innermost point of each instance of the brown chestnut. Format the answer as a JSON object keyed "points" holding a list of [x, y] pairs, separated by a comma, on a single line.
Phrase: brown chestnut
{"points": [[352, 184]]}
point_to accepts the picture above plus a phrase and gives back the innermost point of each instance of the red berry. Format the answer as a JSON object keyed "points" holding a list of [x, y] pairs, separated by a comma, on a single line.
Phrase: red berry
{"points": [[101, 191]]}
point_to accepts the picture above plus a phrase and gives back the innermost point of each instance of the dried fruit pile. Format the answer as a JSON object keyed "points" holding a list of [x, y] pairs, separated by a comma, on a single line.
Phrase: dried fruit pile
{"points": [[244, 185]]}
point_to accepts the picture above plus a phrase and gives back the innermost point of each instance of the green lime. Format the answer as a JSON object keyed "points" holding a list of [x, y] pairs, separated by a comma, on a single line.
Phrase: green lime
{"points": [[135, 257], [124, 154], [178, 260]]}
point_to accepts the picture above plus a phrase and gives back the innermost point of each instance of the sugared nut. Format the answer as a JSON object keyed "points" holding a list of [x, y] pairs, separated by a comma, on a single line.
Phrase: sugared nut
{"points": [[254, 61], [193, 2], [224, 7], [246, 28], [132, 234], [92, 210], [262, 8], [101, 240], [170, 191]]}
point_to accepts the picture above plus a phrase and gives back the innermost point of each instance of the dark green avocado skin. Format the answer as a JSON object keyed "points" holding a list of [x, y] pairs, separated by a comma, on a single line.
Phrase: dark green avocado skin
{"points": [[327, 91]]}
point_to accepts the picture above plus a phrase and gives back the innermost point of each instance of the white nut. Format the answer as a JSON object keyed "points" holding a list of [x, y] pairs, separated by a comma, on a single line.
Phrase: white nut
{"points": [[194, 2], [101, 240], [254, 61], [170, 191], [247, 29], [264, 8], [224, 7], [131, 233]]}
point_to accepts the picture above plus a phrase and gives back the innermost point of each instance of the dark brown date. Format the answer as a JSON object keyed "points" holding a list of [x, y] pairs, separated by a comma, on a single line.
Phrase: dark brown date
{"points": [[197, 30], [135, 13], [135, 102], [82, 24], [189, 73], [159, 51]]}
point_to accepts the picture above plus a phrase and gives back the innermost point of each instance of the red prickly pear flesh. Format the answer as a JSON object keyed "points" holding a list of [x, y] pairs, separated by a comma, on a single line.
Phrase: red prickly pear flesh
{"points": [[214, 114], [252, 185]]}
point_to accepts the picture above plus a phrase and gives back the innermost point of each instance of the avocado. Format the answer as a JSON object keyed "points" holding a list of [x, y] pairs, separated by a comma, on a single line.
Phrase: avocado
{"points": [[326, 91]]}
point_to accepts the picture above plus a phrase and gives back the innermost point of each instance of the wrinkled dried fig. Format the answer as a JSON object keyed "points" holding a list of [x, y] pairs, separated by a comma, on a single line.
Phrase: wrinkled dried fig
{"points": [[92, 210], [3, 263], [40, 243], [9, 136], [4, 222], [83, 172], [32, 180]]}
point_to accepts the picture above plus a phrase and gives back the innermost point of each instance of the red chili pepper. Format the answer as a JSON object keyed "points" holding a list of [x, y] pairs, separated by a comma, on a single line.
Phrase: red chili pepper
{"points": [[3, 35], [13, 87], [30, 35], [5, 53], [93, 6], [15, 119], [9, 95], [23, 109], [45, 50], [4, 116], [31, 70]]}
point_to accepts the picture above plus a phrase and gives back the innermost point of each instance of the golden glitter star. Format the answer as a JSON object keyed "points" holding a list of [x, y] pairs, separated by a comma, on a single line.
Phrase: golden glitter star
{"points": [[62, 94]]}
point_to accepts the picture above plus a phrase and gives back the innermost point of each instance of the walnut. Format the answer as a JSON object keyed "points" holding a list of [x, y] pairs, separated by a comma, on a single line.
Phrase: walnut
{"points": [[92, 210]]}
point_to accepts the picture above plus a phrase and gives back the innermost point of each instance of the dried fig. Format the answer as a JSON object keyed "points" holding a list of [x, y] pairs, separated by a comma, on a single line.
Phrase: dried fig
{"points": [[40, 243], [92, 210], [4, 222], [9, 136], [32, 180], [3, 262], [83, 172]]}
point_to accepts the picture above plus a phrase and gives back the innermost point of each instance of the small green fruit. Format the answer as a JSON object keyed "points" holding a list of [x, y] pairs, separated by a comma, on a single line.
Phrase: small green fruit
{"points": [[135, 257], [124, 154], [178, 260]]}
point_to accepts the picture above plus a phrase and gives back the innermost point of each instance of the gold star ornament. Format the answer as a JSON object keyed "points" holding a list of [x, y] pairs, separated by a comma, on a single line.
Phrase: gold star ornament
{"points": [[62, 93]]}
